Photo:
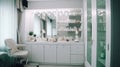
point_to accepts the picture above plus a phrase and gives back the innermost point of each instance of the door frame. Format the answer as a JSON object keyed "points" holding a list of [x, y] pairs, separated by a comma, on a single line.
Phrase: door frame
{"points": [[108, 32]]}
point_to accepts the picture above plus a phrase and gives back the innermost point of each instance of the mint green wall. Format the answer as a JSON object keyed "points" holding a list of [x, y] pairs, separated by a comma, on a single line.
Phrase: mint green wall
{"points": [[8, 20]]}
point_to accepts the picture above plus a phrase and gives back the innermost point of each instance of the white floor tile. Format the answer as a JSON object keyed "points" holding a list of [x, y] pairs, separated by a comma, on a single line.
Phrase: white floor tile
{"points": [[50, 66]]}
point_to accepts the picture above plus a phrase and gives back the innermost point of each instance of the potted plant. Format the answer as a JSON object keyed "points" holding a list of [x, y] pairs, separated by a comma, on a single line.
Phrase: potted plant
{"points": [[30, 37], [31, 33]]}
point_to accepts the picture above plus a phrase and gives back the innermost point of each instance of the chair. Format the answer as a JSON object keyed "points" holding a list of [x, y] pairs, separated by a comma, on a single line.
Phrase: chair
{"points": [[16, 50]]}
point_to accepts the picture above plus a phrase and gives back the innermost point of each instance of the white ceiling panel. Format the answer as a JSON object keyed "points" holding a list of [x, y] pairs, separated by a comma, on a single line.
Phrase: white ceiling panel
{"points": [[52, 0]]}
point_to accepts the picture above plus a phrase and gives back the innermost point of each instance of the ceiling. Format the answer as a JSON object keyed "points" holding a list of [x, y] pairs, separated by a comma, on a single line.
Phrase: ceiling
{"points": [[51, 0], [41, 4]]}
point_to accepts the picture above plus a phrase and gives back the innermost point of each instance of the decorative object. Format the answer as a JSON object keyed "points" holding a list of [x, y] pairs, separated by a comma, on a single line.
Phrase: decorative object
{"points": [[76, 34], [30, 37], [34, 37], [43, 33]]}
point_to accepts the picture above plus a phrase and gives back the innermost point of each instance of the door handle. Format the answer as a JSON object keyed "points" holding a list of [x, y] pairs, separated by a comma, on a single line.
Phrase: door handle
{"points": [[108, 47]]}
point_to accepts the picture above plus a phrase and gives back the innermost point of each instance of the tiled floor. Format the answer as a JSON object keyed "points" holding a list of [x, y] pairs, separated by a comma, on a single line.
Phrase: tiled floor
{"points": [[51, 66]]}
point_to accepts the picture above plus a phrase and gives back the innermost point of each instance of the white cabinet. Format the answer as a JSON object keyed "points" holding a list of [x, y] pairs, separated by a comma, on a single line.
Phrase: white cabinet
{"points": [[77, 54], [37, 53], [56, 53], [50, 53], [77, 59], [63, 54], [98, 33], [77, 49]]}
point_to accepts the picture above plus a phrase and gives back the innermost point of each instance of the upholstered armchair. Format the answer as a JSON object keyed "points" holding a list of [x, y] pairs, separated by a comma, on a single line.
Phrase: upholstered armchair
{"points": [[5, 59]]}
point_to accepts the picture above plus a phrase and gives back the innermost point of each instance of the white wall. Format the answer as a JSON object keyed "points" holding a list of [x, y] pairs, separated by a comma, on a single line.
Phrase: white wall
{"points": [[41, 4], [22, 27], [8, 20], [46, 4], [29, 22]]}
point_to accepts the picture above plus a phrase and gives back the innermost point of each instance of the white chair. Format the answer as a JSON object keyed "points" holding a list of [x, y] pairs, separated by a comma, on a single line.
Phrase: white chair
{"points": [[16, 50]]}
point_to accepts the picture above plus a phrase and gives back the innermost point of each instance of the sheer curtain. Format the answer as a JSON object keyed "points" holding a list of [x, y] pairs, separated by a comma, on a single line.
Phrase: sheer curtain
{"points": [[8, 20]]}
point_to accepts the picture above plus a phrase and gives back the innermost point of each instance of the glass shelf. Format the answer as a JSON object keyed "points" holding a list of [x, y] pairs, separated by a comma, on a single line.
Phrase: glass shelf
{"points": [[102, 61]]}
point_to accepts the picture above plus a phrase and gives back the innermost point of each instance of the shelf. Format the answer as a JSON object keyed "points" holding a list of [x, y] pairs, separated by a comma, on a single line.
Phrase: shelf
{"points": [[70, 30], [101, 31], [102, 61]]}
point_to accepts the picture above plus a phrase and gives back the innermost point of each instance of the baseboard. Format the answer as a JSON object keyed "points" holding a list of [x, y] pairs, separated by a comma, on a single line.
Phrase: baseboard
{"points": [[48, 63]]}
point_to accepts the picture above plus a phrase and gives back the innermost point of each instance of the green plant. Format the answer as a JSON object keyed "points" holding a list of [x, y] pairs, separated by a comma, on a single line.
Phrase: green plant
{"points": [[31, 33]]}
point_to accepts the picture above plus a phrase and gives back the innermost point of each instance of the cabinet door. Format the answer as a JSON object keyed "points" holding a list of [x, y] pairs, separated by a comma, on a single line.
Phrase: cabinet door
{"points": [[37, 53], [77, 54], [50, 53], [101, 32], [63, 54], [77, 59], [100, 39], [77, 49]]}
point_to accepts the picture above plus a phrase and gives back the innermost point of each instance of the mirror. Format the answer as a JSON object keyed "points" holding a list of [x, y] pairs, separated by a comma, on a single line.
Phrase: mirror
{"points": [[64, 23], [44, 24]]}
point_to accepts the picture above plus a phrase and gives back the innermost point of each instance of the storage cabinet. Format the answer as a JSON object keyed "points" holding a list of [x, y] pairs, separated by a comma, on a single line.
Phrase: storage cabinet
{"points": [[98, 33], [77, 54], [63, 54], [101, 33], [77, 49], [77, 59], [37, 53], [70, 53], [50, 53]]}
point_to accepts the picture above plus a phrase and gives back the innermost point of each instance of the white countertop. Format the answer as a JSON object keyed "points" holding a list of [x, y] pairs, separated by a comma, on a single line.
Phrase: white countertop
{"points": [[53, 43]]}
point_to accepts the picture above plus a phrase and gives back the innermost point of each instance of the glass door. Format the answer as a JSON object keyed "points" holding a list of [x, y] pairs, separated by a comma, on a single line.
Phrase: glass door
{"points": [[101, 33], [89, 31]]}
